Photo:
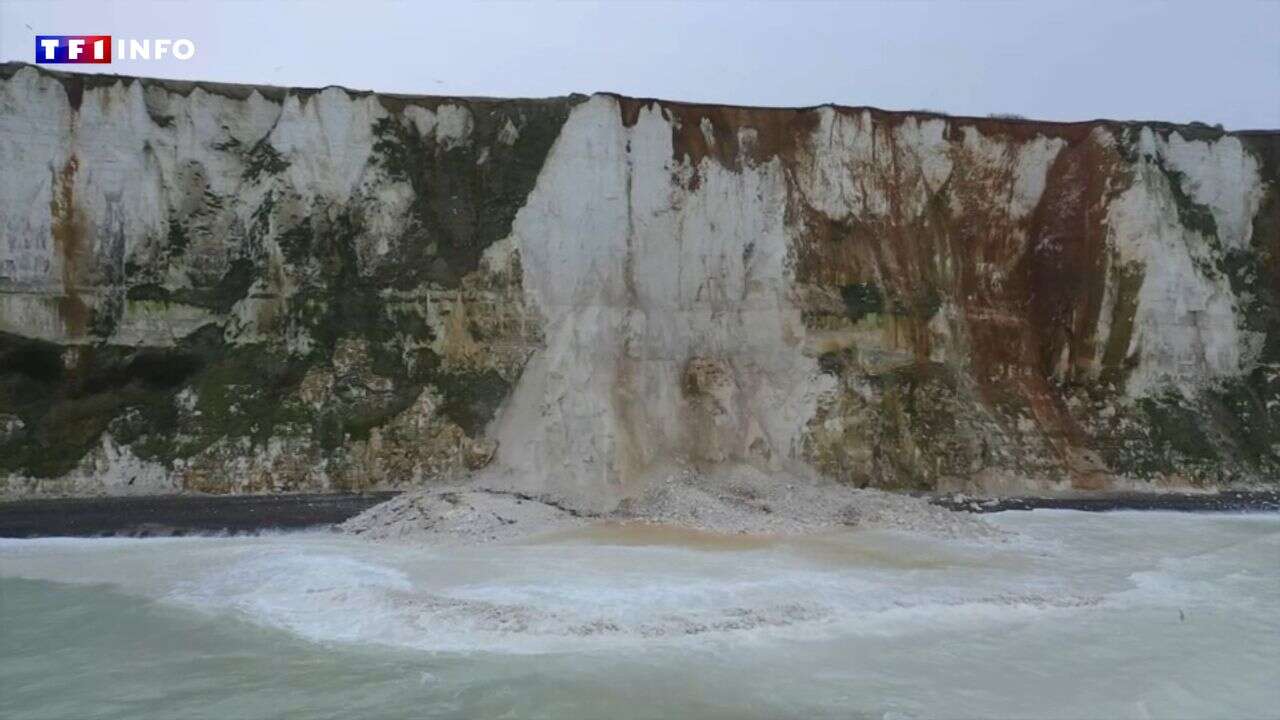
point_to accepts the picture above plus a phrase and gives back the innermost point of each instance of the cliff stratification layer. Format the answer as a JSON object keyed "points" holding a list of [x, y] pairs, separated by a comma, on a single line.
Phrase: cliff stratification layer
{"points": [[245, 289]]}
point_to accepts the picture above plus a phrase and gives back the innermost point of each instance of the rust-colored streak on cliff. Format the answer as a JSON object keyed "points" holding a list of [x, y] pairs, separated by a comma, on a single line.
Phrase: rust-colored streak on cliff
{"points": [[729, 134], [69, 231], [1065, 269]]}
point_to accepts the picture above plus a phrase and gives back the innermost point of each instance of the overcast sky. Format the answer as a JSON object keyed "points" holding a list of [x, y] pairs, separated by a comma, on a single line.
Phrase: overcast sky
{"points": [[1214, 62]]}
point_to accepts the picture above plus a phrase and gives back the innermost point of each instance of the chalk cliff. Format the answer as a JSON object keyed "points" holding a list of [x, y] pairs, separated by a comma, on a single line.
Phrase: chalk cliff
{"points": [[216, 288]]}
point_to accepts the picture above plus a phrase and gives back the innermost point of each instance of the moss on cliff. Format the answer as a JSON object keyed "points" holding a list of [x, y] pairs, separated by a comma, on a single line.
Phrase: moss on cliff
{"points": [[263, 159], [1177, 429], [1116, 356], [67, 397], [240, 382], [862, 299], [471, 398], [1191, 214], [466, 192]]}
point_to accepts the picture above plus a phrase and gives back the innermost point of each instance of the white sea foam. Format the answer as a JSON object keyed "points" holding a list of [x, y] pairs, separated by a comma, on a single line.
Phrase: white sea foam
{"points": [[576, 593]]}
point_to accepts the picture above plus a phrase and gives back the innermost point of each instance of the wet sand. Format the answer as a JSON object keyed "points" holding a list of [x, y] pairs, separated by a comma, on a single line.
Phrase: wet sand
{"points": [[171, 515], [645, 534], [1227, 501], [149, 516]]}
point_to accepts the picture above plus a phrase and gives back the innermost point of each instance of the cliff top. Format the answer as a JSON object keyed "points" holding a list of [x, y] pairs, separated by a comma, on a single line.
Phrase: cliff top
{"points": [[76, 83]]}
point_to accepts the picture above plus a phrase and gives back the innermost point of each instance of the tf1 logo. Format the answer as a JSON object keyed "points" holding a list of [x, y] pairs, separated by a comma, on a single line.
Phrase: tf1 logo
{"points": [[99, 49]]}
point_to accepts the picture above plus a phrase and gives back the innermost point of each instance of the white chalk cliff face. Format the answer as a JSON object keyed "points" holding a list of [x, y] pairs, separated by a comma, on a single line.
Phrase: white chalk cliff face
{"points": [[236, 289], [671, 334]]}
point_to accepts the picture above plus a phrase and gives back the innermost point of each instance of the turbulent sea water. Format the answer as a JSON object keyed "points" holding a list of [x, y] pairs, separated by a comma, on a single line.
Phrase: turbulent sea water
{"points": [[1123, 614]]}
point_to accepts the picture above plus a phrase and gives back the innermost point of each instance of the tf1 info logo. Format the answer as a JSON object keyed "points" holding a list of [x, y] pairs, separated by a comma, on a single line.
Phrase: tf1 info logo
{"points": [[99, 49]]}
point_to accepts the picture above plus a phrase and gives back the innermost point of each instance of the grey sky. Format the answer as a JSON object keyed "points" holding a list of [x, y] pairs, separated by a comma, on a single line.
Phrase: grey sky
{"points": [[1214, 62]]}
